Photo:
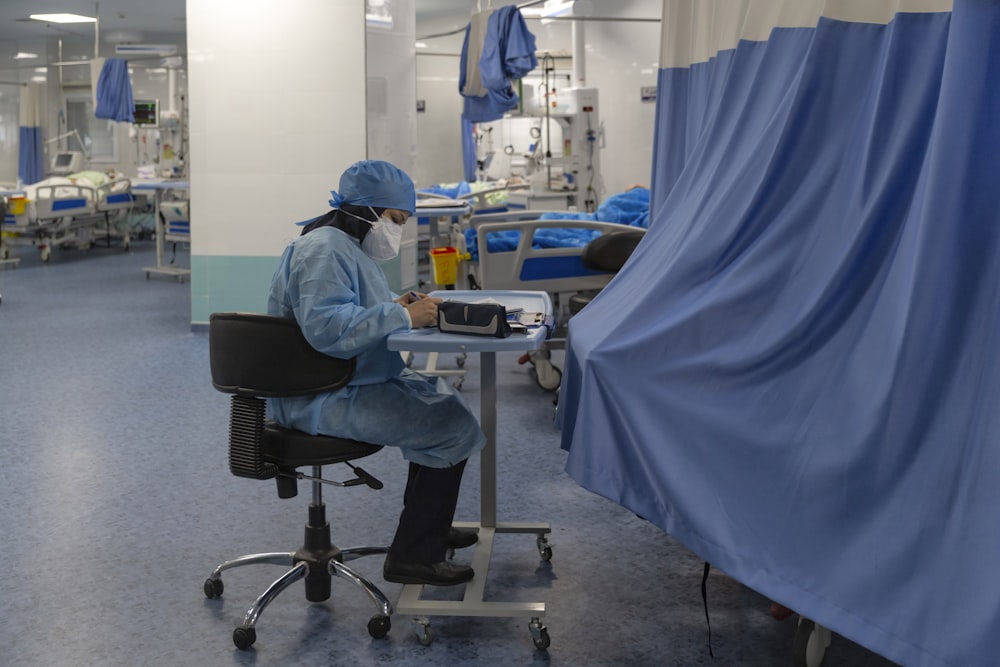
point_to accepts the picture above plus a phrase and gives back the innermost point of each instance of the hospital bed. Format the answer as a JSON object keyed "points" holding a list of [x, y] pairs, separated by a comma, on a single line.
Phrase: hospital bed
{"points": [[481, 196], [518, 250], [455, 202], [494, 198], [60, 211]]}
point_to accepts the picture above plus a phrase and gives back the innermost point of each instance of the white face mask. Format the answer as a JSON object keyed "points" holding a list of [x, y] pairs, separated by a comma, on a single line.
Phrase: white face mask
{"points": [[382, 242]]}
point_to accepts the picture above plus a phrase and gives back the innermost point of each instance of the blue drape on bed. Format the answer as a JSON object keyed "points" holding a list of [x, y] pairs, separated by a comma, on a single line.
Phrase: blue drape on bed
{"points": [[30, 163], [797, 373]]}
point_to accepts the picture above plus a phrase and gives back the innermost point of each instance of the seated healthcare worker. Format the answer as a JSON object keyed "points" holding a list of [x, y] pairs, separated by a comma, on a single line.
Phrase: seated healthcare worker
{"points": [[329, 281]]}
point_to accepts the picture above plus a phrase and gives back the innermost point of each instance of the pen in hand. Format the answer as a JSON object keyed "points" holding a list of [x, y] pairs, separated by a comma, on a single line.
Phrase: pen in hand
{"points": [[422, 309]]}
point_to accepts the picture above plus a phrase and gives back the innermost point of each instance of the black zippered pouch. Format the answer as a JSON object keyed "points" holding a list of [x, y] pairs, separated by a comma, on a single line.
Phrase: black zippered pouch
{"points": [[473, 319]]}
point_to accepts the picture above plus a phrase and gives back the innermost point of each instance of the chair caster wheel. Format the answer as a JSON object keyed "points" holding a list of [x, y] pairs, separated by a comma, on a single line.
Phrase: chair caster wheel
{"points": [[378, 626], [213, 588], [244, 638]]}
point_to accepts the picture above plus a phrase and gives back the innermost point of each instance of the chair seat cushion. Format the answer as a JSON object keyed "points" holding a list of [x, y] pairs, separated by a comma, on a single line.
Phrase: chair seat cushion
{"points": [[289, 448]]}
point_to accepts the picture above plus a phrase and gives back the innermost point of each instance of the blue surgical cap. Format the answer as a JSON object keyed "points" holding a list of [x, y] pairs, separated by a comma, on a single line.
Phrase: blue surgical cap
{"points": [[376, 183]]}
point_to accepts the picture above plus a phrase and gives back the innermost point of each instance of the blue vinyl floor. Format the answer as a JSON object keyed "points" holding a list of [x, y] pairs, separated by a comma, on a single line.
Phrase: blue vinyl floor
{"points": [[116, 503]]}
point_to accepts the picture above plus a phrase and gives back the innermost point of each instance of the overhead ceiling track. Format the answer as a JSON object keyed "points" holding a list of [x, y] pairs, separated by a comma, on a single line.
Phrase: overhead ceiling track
{"points": [[625, 19]]}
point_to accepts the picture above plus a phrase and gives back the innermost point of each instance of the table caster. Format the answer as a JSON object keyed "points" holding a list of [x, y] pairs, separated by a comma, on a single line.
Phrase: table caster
{"points": [[422, 628], [544, 549], [539, 634]]}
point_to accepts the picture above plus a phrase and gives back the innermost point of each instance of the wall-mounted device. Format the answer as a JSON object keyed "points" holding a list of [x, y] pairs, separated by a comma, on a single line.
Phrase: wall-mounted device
{"points": [[147, 113]]}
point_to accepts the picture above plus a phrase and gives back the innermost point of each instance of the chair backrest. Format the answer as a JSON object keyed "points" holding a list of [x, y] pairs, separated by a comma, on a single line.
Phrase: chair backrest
{"points": [[609, 252], [266, 356]]}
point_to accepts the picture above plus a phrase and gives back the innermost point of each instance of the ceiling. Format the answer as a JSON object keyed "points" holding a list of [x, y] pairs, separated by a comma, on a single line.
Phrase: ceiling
{"points": [[151, 17], [155, 18]]}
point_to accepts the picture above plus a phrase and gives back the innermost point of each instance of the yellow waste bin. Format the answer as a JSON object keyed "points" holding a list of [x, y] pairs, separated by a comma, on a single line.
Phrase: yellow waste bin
{"points": [[444, 264], [17, 204]]}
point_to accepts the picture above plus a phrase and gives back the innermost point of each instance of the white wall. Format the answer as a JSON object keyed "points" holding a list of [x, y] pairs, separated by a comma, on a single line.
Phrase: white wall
{"points": [[9, 129], [391, 86], [621, 59], [439, 151], [277, 110]]}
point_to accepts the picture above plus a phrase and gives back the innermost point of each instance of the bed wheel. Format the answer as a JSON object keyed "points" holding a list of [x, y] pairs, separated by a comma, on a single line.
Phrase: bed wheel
{"points": [[809, 644], [547, 375]]}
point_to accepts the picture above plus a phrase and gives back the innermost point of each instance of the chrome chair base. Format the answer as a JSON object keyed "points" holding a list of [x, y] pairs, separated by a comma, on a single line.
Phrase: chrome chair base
{"points": [[317, 562]]}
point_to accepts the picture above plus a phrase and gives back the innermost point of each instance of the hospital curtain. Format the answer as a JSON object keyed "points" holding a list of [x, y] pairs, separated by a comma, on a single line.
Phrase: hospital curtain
{"points": [[30, 162], [796, 374]]}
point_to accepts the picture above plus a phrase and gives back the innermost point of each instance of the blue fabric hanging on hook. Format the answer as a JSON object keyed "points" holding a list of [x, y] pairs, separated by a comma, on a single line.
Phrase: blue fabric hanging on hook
{"points": [[494, 51], [507, 51], [114, 92]]}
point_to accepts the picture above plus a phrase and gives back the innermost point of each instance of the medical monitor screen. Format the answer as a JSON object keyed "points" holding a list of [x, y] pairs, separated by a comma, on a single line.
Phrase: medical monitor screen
{"points": [[66, 162], [146, 113]]}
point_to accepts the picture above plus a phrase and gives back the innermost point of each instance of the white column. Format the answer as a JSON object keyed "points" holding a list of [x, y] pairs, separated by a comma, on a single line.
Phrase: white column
{"points": [[277, 113]]}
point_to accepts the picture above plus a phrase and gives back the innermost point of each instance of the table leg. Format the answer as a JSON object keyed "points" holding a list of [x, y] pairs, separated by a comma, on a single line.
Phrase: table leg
{"points": [[161, 232], [488, 422], [473, 602]]}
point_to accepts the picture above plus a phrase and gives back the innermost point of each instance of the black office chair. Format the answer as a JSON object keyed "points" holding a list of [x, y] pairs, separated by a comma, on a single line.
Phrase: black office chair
{"points": [[254, 357]]}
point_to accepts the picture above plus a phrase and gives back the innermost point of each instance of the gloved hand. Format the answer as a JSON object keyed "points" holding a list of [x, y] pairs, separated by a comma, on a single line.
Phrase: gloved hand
{"points": [[424, 312]]}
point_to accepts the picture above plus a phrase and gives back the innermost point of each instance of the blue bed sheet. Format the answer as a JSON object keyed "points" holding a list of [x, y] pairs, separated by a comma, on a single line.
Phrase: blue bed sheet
{"points": [[626, 208]]}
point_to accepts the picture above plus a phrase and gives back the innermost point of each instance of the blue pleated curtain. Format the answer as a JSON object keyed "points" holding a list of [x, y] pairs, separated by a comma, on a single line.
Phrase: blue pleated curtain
{"points": [[797, 373], [30, 163]]}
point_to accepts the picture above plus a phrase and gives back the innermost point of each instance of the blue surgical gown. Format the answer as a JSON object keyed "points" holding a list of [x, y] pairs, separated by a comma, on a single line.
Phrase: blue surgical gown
{"points": [[342, 301]]}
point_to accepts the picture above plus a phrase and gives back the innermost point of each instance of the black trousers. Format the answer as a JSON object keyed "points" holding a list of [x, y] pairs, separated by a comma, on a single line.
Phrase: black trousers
{"points": [[428, 510]]}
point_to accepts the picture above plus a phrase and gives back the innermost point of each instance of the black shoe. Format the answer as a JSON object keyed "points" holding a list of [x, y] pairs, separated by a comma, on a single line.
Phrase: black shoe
{"points": [[459, 538], [437, 574]]}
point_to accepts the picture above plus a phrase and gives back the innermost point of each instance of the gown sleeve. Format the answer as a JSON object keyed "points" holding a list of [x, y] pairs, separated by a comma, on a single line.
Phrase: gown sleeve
{"points": [[342, 307]]}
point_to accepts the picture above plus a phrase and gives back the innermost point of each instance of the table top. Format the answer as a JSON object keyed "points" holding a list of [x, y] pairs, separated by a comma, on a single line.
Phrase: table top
{"points": [[432, 340], [165, 184], [442, 211]]}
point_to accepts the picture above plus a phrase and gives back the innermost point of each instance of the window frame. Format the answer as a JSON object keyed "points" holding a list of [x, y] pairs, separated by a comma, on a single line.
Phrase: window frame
{"points": [[86, 98]]}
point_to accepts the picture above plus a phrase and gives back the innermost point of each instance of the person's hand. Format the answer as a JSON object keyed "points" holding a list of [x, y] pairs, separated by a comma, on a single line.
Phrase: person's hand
{"points": [[423, 312], [410, 297]]}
